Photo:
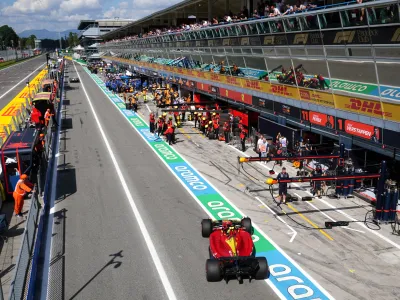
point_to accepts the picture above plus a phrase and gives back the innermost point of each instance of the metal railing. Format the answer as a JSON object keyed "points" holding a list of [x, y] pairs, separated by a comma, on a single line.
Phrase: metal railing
{"points": [[295, 22], [24, 264], [17, 288]]}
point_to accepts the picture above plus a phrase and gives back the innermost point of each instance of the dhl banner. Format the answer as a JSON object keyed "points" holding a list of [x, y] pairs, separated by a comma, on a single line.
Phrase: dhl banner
{"points": [[377, 109], [372, 108], [14, 107]]}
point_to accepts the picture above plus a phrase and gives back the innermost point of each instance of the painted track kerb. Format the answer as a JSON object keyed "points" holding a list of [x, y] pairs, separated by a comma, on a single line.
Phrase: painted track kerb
{"points": [[288, 280], [139, 219]]}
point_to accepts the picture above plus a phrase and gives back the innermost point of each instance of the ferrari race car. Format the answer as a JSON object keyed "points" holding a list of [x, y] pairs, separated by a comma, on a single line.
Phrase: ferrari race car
{"points": [[74, 79], [232, 252]]}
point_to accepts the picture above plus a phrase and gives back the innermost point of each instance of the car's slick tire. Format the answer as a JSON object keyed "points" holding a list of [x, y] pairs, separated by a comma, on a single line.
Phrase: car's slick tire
{"points": [[246, 223], [213, 270], [206, 228], [263, 270]]}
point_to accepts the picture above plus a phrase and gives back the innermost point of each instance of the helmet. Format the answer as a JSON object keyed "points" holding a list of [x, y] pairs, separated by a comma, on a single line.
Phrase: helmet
{"points": [[214, 114], [23, 176], [164, 114], [195, 112], [159, 117], [210, 122], [204, 118], [41, 135], [170, 117], [206, 126]]}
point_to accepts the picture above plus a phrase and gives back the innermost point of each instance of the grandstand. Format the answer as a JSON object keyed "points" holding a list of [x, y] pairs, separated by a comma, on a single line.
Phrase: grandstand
{"points": [[346, 50]]}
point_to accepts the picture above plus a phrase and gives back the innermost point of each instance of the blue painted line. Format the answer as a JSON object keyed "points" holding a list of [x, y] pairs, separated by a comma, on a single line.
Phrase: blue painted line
{"points": [[289, 280], [193, 180]]}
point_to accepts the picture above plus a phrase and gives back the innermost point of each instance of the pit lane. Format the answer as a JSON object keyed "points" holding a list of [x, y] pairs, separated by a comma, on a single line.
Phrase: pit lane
{"points": [[93, 219], [350, 262]]}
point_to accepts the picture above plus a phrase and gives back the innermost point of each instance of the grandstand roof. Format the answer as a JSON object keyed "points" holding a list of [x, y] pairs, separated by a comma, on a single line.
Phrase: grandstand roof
{"points": [[169, 14], [104, 22]]}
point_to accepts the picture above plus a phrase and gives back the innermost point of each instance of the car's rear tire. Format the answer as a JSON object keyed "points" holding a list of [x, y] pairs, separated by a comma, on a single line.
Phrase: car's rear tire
{"points": [[206, 228], [246, 223], [213, 270], [263, 270]]}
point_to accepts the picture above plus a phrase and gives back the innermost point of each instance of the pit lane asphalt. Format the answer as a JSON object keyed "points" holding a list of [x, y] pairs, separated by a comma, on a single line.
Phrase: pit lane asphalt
{"points": [[10, 78], [95, 220]]}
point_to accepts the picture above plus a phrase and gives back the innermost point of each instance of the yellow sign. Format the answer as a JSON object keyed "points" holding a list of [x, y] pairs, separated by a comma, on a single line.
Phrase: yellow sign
{"points": [[13, 108], [377, 109]]}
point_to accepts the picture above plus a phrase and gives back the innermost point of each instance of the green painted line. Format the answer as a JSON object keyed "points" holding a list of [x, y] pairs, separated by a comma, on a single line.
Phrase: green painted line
{"points": [[217, 206]]}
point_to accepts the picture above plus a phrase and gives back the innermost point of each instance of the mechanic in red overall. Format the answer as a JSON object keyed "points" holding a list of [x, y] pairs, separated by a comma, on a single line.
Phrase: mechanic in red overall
{"points": [[152, 122], [160, 125], [203, 124], [169, 122], [216, 127], [226, 131], [243, 138], [36, 117], [169, 134]]}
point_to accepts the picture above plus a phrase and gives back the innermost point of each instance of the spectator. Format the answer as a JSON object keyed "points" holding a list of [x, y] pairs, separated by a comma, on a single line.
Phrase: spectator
{"points": [[289, 10], [245, 12], [255, 14]]}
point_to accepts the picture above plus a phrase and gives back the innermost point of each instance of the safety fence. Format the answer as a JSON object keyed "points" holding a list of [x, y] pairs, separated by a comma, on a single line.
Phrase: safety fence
{"points": [[26, 264], [17, 289]]}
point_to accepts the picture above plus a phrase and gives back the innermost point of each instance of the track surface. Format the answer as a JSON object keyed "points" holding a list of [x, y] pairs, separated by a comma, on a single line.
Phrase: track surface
{"points": [[93, 219], [12, 79]]}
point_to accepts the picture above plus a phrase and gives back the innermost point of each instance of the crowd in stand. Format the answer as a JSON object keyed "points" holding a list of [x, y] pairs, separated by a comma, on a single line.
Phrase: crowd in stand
{"points": [[265, 9]]}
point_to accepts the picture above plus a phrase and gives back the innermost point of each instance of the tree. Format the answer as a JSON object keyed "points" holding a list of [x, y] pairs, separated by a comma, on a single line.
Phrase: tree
{"points": [[30, 42], [7, 34], [72, 39]]}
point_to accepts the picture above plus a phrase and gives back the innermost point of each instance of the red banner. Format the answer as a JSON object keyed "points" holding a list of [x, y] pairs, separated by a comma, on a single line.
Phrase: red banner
{"points": [[365, 131]]}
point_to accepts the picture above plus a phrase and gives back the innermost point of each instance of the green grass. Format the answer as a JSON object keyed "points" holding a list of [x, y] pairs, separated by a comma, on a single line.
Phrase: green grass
{"points": [[7, 63]]}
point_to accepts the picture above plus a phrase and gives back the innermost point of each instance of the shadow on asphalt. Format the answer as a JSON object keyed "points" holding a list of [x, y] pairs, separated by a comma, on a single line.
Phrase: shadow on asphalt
{"points": [[112, 261]]}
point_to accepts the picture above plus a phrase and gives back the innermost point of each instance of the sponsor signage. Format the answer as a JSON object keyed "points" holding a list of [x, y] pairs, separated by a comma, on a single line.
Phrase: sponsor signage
{"points": [[318, 118], [265, 103], [287, 110], [282, 267], [364, 131]]}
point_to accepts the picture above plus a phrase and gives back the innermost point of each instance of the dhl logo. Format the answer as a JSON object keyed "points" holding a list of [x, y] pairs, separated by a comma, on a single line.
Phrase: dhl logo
{"points": [[396, 36], [232, 80], [280, 89], [305, 95], [370, 107], [346, 37], [252, 84], [11, 111], [301, 38], [214, 77]]}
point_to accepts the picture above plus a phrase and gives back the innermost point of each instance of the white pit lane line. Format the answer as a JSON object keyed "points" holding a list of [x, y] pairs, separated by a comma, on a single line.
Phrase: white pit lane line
{"points": [[143, 229], [21, 81]]}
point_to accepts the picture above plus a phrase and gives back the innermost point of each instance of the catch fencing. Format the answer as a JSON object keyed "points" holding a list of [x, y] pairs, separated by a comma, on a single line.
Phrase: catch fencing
{"points": [[19, 286], [17, 289]]}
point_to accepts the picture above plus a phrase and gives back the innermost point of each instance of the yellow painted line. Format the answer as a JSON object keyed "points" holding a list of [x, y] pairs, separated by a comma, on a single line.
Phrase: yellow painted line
{"points": [[310, 222], [184, 133]]}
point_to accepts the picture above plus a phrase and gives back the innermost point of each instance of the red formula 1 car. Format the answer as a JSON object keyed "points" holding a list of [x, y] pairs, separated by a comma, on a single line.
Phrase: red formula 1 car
{"points": [[232, 252]]}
